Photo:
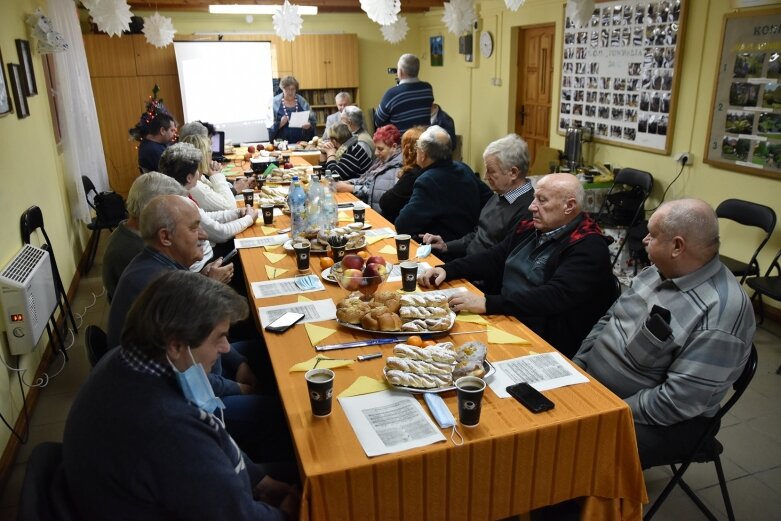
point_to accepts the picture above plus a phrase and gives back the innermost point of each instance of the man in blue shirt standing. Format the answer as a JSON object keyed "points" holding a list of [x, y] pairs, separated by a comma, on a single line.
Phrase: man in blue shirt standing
{"points": [[408, 103]]}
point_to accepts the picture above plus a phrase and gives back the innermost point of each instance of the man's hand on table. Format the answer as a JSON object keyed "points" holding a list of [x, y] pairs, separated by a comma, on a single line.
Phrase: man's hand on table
{"points": [[431, 278], [467, 301], [435, 241], [215, 270]]}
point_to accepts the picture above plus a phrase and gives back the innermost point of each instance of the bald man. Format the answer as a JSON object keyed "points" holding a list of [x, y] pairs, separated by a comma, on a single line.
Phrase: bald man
{"points": [[552, 272], [678, 338]]}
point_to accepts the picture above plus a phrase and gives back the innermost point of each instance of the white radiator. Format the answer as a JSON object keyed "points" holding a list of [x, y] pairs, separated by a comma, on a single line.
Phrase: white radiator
{"points": [[28, 298]]}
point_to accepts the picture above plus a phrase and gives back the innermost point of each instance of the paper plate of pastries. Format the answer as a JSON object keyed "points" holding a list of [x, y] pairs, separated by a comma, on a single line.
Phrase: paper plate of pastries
{"points": [[434, 369], [391, 312]]}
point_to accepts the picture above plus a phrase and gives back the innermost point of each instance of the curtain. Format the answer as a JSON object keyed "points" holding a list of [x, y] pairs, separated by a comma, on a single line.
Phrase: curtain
{"points": [[81, 143]]}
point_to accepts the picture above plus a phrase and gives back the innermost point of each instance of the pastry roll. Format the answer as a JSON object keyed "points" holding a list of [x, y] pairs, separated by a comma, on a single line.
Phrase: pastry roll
{"points": [[436, 353], [420, 381], [418, 366]]}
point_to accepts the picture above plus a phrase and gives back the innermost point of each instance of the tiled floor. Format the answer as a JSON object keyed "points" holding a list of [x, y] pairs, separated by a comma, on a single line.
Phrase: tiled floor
{"points": [[750, 433]]}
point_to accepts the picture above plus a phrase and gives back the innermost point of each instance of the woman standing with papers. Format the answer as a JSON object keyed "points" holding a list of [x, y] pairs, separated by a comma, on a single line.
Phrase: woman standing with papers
{"points": [[286, 103]]}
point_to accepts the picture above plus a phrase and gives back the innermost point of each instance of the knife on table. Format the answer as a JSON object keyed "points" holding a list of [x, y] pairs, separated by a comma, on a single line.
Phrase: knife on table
{"points": [[388, 340]]}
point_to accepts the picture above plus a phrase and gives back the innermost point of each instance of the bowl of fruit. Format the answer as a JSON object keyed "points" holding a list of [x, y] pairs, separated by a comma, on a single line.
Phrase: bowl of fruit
{"points": [[364, 276]]}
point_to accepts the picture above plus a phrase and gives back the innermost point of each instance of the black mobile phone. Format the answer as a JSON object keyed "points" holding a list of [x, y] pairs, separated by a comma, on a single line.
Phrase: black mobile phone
{"points": [[530, 397], [229, 256], [284, 322], [658, 327], [664, 313]]}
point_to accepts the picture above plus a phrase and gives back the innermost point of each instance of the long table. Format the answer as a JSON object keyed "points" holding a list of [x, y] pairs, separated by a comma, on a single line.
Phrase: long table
{"points": [[512, 462]]}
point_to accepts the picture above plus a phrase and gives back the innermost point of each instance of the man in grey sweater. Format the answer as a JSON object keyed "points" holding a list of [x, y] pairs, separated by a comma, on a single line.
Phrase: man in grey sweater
{"points": [[676, 340], [506, 165]]}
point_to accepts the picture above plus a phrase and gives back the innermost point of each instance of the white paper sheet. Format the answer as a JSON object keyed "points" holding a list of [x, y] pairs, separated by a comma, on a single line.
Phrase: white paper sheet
{"points": [[389, 421], [380, 232], [279, 287], [543, 372], [315, 311], [298, 119], [257, 242]]}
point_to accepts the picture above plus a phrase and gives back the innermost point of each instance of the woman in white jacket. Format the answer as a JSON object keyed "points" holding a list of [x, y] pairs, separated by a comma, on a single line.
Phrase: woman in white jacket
{"points": [[212, 191], [181, 162]]}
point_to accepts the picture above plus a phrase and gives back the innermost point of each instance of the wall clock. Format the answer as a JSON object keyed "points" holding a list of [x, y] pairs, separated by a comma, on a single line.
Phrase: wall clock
{"points": [[486, 44]]}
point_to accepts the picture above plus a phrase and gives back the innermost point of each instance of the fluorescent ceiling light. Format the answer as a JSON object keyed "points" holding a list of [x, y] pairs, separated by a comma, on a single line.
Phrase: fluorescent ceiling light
{"points": [[257, 9]]}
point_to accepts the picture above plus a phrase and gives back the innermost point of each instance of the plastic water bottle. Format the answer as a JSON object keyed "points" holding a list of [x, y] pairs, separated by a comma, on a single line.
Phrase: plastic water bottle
{"points": [[329, 205], [296, 201], [314, 206]]}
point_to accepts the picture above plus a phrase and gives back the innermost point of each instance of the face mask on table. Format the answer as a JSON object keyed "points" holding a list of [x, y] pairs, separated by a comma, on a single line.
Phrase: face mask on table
{"points": [[196, 387]]}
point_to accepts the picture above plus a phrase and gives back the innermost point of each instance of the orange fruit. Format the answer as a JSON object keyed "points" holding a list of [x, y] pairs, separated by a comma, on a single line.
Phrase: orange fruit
{"points": [[326, 262], [414, 340], [365, 255], [429, 343]]}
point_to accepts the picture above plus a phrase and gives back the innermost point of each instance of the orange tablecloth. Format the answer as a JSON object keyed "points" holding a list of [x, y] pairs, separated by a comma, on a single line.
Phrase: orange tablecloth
{"points": [[512, 462]]}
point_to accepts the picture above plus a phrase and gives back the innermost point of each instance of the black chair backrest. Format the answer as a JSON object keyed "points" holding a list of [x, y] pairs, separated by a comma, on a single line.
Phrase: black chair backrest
{"points": [[634, 177], [31, 220], [45, 495], [748, 214], [741, 384], [89, 187], [96, 343]]}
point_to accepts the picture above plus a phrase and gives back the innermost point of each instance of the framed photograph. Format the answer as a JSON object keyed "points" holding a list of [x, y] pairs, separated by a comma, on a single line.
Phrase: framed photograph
{"points": [[744, 133], [28, 72], [5, 98], [625, 65], [437, 54], [15, 77]]}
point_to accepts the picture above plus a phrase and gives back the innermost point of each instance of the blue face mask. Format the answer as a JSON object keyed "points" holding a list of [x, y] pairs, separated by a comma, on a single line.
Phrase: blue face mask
{"points": [[196, 387]]}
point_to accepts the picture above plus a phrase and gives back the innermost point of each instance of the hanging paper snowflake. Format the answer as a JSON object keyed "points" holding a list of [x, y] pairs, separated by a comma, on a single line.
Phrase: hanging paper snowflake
{"points": [[159, 30], [287, 22], [459, 16], [580, 11], [112, 16], [513, 5], [397, 31], [384, 12], [41, 31], [90, 4]]}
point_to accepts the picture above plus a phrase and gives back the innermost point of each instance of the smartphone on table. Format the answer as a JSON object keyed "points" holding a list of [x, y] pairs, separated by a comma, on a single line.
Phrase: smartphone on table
{"points": [[284, 322], [530, 397]]}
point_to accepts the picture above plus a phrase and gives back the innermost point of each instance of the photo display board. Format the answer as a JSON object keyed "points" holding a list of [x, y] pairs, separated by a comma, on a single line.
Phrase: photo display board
{"points": [[620, 72], [745, 126]]}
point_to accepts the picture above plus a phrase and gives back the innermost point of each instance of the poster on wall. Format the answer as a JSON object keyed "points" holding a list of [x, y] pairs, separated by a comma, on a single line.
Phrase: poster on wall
{"points": [[620, 72], [745, 122]]}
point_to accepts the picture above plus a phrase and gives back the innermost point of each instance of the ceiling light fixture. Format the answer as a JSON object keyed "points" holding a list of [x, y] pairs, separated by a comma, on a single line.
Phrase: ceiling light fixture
{"points": [[257, 9]]}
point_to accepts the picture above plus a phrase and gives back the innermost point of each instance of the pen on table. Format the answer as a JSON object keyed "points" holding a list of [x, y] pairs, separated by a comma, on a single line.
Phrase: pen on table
{"points": [[370, 356]]}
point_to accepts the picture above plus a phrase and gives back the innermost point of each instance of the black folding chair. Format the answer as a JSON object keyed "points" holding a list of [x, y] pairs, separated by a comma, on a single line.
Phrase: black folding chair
{"points": [[96, 343], [768, 284], [99, 222], [31, 220], [708, 449], [626, 209], [747, 214]]}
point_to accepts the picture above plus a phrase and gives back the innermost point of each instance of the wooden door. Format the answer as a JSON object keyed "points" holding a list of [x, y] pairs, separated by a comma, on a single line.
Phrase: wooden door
{"points": [[342, 61], [309, 57], [533, 96]]}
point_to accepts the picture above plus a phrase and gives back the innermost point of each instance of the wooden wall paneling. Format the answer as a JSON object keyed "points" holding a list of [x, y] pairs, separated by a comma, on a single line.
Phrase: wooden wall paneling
{"points": [[309, 57], [169, 92], [109, 57], [150, 60], [342, 63], [281, 56]]}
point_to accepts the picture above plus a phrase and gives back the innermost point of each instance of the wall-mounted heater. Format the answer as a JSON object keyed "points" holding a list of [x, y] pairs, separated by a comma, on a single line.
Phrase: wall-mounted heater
{"points": [[27, 297]]}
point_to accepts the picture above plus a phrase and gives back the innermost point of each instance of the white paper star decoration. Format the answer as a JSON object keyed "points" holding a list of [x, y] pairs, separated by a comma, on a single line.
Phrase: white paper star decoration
{"points": [[580, 11], [112, 16], [287, 22], [41, 31], [159, 30], [384, 12], [513, 5], [90, 4], [397, 31], [459, 16]]}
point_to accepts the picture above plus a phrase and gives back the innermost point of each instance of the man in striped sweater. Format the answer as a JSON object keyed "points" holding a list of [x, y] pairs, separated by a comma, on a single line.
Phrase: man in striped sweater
{"points": [[675, 341], [408, 103]]}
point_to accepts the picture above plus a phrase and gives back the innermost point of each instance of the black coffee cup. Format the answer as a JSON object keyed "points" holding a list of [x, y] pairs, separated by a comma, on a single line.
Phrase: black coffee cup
{"points": [[302, 250], [338, 252], [320, 383], [470, 397], [409, 275], [402, 246], [249, 196], [359, 215], [268, 213]]}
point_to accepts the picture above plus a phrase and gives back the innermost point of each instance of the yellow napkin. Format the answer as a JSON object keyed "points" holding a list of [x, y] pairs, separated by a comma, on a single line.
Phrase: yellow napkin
{"points": [[273, 272], [268, 230], [364, 385], [274, 257], [318, 333], [388, 249], [270, 247], [323, 362], [343, 216], [471, 317], [377, 238], [302, 298], [497, 336]]}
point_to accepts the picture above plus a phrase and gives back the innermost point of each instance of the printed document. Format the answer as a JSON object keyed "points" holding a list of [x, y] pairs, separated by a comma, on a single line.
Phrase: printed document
{"points": [[258, 242], [314, 311], [298, 119], [543, 372], [279, 287]]}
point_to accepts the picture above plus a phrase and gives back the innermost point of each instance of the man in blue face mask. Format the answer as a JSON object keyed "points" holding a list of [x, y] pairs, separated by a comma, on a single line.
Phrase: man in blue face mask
{"points": [[144, 436]]}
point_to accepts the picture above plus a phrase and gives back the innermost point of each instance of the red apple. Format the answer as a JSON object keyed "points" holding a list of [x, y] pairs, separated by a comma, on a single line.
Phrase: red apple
{"points": [[373, 269], [375, 259], [352, 261], [251, 149], [351, 279]]}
